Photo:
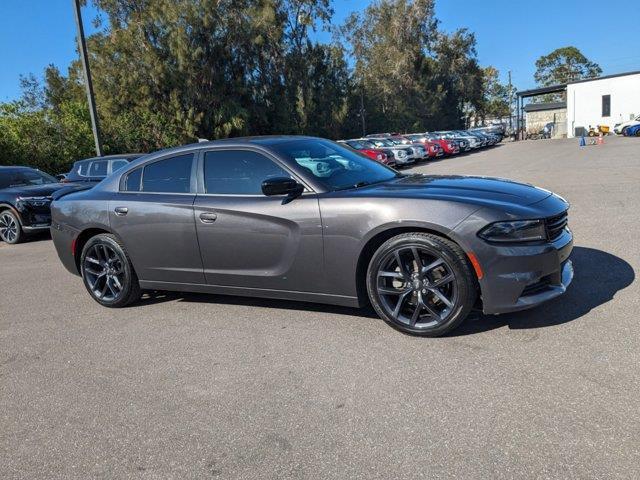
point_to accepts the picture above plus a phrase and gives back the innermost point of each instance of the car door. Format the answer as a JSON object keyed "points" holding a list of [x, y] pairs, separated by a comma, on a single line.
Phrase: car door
{"points": [[153, 215], [251, 240]]}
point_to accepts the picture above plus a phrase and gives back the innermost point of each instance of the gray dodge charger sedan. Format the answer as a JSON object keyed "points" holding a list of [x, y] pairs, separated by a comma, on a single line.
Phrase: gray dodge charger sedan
{"points": [[304, 218]]}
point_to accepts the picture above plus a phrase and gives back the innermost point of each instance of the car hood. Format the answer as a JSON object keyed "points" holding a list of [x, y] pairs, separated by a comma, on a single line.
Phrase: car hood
{"points": [[467, 189], [34, 190]]}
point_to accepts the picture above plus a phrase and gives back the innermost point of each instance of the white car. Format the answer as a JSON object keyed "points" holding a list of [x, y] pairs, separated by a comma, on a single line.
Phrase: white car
{"points": [[404, 155], [619, 127]]}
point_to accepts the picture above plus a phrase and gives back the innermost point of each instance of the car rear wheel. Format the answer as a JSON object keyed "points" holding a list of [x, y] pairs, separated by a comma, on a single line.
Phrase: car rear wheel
{"points": [[10, 228], [107, 272], [421, 284]]}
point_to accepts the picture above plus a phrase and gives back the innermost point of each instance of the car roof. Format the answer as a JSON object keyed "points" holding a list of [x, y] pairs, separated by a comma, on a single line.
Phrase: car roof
{"points": [[112, 157]]}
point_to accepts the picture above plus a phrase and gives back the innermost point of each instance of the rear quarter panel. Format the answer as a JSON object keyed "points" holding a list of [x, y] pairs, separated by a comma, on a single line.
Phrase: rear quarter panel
{"points": [[72, 214]]}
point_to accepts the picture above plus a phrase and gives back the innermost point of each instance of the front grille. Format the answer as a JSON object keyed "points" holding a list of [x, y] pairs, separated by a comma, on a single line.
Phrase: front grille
{"points": [[556, 225]]}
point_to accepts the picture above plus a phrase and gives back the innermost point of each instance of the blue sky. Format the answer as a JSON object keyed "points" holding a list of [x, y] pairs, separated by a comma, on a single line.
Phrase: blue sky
{"points": [[511, 34]]}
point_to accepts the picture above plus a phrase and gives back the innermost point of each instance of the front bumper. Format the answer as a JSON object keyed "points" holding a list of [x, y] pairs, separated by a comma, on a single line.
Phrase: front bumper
{"points": [[34, 217], [405, 161], [524, 276]]}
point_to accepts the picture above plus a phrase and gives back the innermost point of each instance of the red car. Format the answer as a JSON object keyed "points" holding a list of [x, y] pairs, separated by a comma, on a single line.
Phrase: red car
{"points": [[373, 153], [450, 147], [433, 148]]}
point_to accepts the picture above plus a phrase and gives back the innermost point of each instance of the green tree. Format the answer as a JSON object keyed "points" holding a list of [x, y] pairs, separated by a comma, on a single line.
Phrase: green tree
{"points": [[563, 65]]}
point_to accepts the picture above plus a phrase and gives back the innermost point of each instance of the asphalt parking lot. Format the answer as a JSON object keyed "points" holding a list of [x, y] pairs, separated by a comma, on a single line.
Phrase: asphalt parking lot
{"points": [[194, 386]]}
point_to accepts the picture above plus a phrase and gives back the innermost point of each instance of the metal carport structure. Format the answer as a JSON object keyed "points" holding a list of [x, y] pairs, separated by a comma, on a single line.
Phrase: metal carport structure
{"points": [[534, 92]]}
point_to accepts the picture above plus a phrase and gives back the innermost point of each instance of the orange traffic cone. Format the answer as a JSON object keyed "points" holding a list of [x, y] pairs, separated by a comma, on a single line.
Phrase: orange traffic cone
{"points": [[600, 139]]}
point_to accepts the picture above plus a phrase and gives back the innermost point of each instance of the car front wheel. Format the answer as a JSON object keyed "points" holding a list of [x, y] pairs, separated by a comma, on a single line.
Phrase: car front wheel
{"points": [[107, 272], [421, 284], [10, 229]]}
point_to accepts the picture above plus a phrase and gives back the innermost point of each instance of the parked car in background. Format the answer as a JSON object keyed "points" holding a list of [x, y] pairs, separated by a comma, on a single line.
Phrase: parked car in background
{"points": [[620, 128], [433, 148], [241, 217], [419, 152], [632, 131], [377, 154], [462, 141], [497, 131], [449, 146], [97, 169], [486, 139], [471, 140], [25, 198], [403, 155], [378, 135]]}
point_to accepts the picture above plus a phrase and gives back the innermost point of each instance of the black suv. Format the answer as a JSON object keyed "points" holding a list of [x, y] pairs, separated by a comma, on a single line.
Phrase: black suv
{"points": [[25, 198], [97, 168]]}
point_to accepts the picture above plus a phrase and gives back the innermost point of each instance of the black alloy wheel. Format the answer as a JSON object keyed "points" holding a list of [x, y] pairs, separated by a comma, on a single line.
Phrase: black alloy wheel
{"points": [[421, 284], [108, 273]]}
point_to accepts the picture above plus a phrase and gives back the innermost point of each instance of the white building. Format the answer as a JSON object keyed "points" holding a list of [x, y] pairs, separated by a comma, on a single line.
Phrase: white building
{"points": [[603, 101], [608, 100]]}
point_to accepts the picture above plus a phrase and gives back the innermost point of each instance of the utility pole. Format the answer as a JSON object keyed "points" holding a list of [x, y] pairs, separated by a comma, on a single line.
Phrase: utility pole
{"points": [[510, 104], [82, 47]]}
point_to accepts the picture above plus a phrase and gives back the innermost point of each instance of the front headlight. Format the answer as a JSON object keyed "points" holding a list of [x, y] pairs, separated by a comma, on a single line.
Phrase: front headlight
{"points": [[517, 231], [34, 201]]}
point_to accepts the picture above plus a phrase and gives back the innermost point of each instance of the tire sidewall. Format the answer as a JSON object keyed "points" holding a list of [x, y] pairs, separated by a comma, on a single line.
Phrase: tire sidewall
{"points": [[461, 273], [127, 287]]}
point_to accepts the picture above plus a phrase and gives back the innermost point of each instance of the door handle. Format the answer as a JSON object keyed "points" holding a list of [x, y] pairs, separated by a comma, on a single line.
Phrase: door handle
{"points": [[121, 211], [208, 217]]}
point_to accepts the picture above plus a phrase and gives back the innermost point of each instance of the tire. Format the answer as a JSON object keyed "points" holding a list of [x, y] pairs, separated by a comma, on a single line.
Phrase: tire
{"points": [[445, 275], [623, 132], [107, 272], [638, 132], [10, 228]]}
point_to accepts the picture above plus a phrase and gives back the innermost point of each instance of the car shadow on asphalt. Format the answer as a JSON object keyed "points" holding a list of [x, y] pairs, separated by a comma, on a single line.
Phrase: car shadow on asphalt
{"points": [[598, 277]]}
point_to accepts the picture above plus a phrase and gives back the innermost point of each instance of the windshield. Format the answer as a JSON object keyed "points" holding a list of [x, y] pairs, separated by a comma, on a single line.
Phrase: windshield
{"points": [[383, 142], [356, 145], [334, 166], [24, 177]]}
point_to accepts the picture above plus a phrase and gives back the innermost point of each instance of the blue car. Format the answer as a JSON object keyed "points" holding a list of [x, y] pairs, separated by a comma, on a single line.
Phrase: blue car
{"points": [[633, 131]]}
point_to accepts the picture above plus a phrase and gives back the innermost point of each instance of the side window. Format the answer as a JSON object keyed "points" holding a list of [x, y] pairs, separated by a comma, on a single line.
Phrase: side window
{"points": [[238, 172], [132, 182], [98, 168], [171, 175], [83, 168], [606, 105], [118, 164]]}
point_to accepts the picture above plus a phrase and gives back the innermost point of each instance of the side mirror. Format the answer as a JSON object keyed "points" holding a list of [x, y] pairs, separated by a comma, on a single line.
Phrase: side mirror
{"points": [[282, 186]]}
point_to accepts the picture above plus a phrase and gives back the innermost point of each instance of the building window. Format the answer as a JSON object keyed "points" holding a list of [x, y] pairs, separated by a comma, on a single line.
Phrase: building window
{"points": [[606, 105]]}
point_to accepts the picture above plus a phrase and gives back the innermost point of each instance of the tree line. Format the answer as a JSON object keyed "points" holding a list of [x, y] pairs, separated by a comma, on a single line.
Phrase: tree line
{"points": [[167, 72]]}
